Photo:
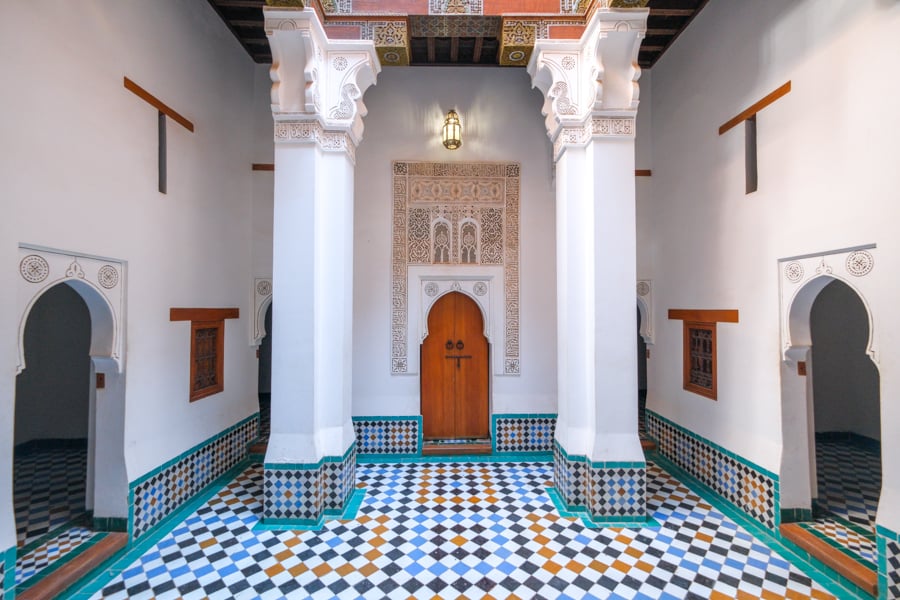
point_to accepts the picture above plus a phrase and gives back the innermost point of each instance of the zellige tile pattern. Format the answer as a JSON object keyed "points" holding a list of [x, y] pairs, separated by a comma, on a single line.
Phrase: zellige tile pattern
{"points": [[473, 530]]}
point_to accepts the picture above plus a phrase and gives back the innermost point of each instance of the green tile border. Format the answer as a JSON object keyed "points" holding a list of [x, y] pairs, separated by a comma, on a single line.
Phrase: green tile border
{"points": [[348, 514], [883, 535], [110, 524], [94, 582], [496, 416], [210, 440], [590, 522], [310, 466], [833, 582], [9, 570], [419, 441]]}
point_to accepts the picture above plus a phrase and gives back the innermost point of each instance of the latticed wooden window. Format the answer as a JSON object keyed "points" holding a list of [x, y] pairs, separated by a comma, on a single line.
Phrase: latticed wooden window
{"points": [[700, 358], [207, 343]]}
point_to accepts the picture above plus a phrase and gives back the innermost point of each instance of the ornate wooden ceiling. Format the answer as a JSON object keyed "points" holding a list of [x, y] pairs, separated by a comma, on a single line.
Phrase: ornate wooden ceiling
{"points": [[457, 32]]}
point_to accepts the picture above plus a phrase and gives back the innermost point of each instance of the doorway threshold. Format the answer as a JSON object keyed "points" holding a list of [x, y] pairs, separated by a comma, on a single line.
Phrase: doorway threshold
{"points": [[456, 447]]}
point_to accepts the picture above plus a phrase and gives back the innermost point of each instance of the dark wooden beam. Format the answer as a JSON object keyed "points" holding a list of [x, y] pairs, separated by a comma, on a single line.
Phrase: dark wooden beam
{"points": [[263, 167], [430, 45], [255, 41], [240, 3], [476, 52], [650, 31], [671, 12], [252, 23], [454, 49]]}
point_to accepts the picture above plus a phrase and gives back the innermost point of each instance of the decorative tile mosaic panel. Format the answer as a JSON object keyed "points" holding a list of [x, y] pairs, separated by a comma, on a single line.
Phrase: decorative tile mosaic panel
{"points": [[889, 567], [304, 493], [523, 433], [618, 491], [747, 486], [570, 476], [339, 480], [388, 435], [293, 494], [156, 495]]}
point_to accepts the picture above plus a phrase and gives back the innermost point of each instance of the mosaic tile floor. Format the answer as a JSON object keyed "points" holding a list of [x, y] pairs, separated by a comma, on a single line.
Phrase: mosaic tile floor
{"points": [[849, 480], [49, 504], [49, 490], [467, 530]]}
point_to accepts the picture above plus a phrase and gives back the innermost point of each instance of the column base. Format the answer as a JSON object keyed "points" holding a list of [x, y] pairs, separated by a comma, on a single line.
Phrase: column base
{"points": [[301, 496], [612, 492]]}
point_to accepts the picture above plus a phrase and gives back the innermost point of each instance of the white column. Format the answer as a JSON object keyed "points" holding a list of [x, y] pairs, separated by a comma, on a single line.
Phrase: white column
{"points": [[317, 107], [591, 99]]}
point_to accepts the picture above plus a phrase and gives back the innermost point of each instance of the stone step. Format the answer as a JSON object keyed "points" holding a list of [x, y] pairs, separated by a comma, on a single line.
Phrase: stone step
{"points": [[76, 569], [859, 574], [648, 445]]}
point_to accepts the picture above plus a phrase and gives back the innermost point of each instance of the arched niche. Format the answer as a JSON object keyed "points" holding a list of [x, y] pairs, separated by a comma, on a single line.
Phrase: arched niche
{"points": [[801, 280], [100, 282]]}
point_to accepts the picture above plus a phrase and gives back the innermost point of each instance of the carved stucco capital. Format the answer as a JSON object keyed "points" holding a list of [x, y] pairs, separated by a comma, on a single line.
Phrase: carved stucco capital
{"points": [[591, 78], [317, 78]]}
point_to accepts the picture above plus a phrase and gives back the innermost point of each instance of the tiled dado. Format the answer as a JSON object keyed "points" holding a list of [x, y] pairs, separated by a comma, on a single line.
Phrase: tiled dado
{"points": [[300, 495], [157, 494], [388, 435], [7, 571], [608, 491], [749, 487], [523, 433], [888, 563]]}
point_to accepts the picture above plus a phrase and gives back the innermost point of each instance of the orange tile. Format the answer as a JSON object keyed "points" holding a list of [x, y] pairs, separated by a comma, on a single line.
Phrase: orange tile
{"points": [[533, 517], [719, 596], [379, 530], [622, 566], [546, 552], [598, 566], [293, 541], [459, 540], [383, 519], [552, 567], [632, 551], [575, 567], [377, 541], [373, 554], [322, 570], [367, 569], [284, 555], [207, 543], [644, 566], [704, 537], [298, 569], [345, 569], [274, 570]]}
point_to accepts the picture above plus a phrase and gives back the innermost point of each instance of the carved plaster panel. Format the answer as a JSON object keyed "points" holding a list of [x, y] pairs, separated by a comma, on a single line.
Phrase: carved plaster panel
{"points": [[99, 281], [312, 132], [802, 278], [463, 216], [315, 77], [644, 291], [262, 299]]}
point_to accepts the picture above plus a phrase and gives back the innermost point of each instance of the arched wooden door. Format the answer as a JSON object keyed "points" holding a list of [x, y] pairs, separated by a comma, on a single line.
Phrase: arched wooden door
{"points": [[455, 370]]}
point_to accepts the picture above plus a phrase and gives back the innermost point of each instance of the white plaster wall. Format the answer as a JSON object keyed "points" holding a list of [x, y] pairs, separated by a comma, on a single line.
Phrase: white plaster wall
{"points": [[80, 173], [501, 118], [827, 180]]}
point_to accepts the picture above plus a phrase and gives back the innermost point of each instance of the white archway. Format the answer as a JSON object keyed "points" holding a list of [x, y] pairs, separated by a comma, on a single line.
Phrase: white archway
{"points": [[100, 282], [801, 280]]}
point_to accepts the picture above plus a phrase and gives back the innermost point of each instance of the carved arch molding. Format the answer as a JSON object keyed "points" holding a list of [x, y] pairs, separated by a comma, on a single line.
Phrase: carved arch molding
{"points": [[460, 216], [99, 281]]}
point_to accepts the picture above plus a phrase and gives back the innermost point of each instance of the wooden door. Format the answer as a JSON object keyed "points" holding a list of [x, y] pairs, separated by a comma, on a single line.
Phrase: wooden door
{"points": [[455, 371]]}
